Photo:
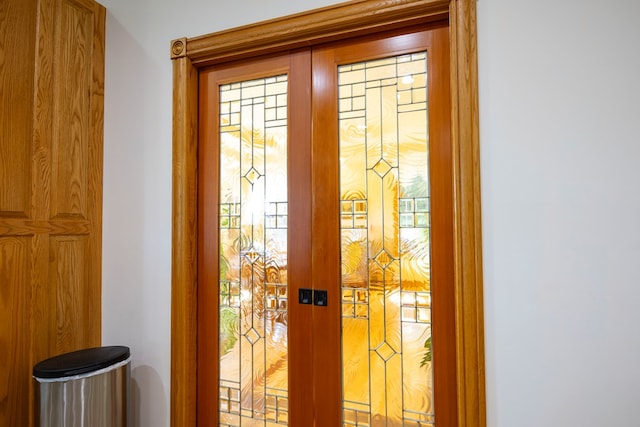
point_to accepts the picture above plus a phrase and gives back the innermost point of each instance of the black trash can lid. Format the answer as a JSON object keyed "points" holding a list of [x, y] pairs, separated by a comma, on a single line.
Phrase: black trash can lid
{"points": [[80, 362]]}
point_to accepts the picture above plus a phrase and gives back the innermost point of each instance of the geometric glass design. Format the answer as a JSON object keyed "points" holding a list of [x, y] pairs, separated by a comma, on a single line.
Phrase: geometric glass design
{"points": [[252, 176], [387, 371], [381, 168], [383, 259], [252, 336], [253, 213], [385, 351]]}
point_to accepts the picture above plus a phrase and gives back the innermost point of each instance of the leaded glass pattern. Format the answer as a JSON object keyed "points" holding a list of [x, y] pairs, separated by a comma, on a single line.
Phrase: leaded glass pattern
{"points": [[385, 249], [253, 210]]}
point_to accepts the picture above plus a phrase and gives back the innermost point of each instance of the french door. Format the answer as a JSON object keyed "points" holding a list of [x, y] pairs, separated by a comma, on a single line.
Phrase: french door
{"points": [[325, 278]]}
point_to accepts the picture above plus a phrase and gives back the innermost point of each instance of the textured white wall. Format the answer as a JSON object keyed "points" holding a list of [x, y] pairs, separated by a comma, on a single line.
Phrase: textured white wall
{"points": [[559, 142]]}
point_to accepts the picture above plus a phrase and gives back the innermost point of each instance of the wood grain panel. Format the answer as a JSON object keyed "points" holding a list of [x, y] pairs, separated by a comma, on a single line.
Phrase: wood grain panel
{"points": [[69, 276], [325, 254], [468, 225], [17, 42], [442, 235], [52, 75], [299, 239], [22, 227], [14, 330], [335, 22], [184, 254], [96, 152], [72, 76], [43, 101]]}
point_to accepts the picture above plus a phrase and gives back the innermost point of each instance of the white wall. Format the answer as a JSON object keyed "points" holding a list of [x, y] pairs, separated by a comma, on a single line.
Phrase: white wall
{"points": [[560, 144], [559, 93]]}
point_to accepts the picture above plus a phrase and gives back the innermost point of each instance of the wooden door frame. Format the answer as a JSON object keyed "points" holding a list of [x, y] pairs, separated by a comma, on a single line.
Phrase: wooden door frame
{"points": [[332, 23]]}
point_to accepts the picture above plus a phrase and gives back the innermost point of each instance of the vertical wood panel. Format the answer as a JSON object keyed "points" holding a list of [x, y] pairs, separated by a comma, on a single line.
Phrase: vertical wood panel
{"points": [[442, 269], [14, 327], [42, 307], [17, 43], [43, 302], [185, 238], [52, 75], [95, 164], [43, 106], [468, 227], [208, 254], [68, 276], [72, 75], [299, 239], [325, 250]]}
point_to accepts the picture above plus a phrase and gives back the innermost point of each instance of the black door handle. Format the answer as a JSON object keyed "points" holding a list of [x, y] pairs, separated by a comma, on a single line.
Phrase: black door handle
{"points": [[305, 296], [320, 297], [309, 296]]}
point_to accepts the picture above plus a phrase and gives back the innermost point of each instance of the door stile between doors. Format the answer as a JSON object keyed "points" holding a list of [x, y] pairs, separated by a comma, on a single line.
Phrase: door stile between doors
{"points": [[300, 240], [326, 242]]}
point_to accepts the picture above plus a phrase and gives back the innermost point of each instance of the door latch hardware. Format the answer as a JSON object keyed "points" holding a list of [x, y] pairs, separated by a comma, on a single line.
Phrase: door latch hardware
{"points": [[305, 296], [320, 297]]}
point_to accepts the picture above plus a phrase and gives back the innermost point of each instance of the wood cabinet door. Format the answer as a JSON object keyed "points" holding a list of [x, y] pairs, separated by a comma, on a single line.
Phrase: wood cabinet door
{"points": [[325, 285], [50, 188]]}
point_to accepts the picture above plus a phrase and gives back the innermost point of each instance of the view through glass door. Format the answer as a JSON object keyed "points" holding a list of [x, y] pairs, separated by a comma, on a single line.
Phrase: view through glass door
{"points": [[325, 293]]}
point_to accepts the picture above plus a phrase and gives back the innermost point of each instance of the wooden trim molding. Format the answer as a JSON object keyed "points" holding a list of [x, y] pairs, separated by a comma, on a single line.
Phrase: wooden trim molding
{"points": [[184, 243], [467, 221], [327, 24], [309, 28], [179, 48]]}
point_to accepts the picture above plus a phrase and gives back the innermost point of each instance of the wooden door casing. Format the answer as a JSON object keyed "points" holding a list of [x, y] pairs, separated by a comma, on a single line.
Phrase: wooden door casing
{"points": [[50, 189], [322, 25]]}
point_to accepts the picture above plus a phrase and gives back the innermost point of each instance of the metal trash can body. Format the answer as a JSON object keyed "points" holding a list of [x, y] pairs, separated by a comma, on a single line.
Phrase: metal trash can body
{"points": [[85, 388]]}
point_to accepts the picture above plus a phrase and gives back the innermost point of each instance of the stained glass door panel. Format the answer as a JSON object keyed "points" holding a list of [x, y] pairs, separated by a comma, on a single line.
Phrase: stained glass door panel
{"points": [[384, 223], [253, 253]]}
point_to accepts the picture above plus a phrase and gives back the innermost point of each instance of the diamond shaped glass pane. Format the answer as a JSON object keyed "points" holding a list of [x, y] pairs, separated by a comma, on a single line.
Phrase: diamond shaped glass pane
{"points": [[382, 168], [384, 258], [252, 255], [252, 176], [385, 351], [252, 336]]}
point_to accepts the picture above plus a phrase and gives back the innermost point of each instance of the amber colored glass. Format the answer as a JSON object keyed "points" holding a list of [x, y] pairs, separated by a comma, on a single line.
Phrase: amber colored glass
{"points": [[385, 243], [253, 253]]}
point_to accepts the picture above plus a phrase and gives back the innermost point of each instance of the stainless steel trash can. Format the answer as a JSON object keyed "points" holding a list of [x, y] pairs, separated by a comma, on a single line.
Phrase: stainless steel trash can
{"points": [[85, 388]]}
